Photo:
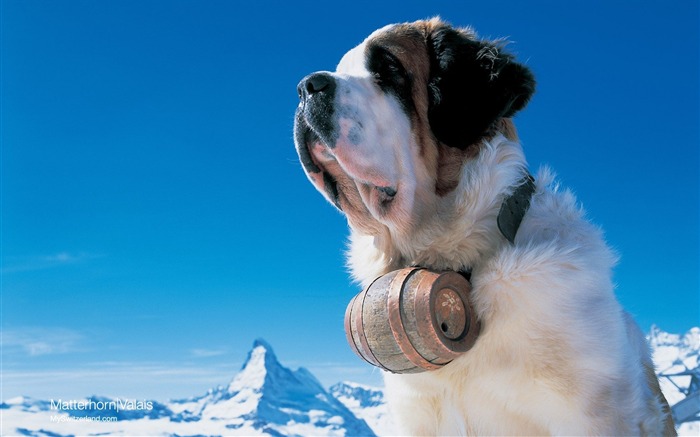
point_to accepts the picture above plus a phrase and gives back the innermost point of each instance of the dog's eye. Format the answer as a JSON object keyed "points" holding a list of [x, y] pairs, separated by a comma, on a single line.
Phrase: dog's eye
{"points": [[386, 69], [390, 75], [394, 73]]}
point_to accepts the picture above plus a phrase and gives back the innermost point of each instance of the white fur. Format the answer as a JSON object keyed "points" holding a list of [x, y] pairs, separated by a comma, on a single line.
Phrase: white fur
{"points": [[555, 355]]}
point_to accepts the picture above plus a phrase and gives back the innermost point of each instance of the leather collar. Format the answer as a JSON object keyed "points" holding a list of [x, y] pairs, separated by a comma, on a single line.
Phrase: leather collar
{"points": [[514, 207]]}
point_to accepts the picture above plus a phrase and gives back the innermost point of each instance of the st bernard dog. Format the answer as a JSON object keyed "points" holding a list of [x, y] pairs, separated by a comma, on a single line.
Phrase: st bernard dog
{"points": [[412, 138]]}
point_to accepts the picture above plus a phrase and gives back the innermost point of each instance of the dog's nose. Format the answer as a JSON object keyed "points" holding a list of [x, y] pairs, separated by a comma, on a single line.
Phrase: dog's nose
{"points": [[315, 83]]}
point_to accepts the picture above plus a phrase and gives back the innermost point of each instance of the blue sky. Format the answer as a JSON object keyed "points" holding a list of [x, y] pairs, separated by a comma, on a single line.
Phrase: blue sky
{"points": [[155, 220]]}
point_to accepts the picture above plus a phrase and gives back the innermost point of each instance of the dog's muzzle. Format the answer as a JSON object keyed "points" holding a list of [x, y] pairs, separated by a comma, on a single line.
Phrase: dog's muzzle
{"points": [[314, 124], [317, 96]]}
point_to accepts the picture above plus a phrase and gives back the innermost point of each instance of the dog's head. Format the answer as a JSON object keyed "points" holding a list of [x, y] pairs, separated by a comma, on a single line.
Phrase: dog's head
{"points": [[385, 136]]}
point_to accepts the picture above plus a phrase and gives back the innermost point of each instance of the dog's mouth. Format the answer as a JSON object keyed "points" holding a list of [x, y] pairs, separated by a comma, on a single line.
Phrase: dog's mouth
{"points": [[307, 140], [341, 176]]}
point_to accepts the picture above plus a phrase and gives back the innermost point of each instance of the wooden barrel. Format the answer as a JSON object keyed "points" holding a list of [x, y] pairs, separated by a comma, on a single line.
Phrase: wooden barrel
{"points": [[412, 320]]}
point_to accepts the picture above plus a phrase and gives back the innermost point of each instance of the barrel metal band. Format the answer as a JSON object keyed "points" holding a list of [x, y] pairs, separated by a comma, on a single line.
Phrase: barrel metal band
{"points": [[397, 327], [363, 347]]}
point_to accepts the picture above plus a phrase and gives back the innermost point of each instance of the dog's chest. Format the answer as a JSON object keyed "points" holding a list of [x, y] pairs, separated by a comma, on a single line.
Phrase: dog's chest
{"points": [[473, 397]]}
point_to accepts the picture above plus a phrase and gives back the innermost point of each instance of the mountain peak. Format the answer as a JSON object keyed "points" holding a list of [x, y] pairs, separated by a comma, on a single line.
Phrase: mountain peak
{"points": [[259, 342], [272, 397], [261, 355], [366, 396], [261, 361], [689, 342]]}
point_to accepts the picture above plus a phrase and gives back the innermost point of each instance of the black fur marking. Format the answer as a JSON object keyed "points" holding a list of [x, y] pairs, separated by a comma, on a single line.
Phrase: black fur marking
{"points": [[473, 84], [390, 75]]}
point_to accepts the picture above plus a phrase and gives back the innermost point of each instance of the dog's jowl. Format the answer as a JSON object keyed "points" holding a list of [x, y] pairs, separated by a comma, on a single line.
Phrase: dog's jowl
{"points": [[412, 138]]}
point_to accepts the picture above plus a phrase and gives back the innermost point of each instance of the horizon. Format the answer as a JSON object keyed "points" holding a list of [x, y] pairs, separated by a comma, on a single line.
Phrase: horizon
{"points": [[258, 342], [156, 219]]}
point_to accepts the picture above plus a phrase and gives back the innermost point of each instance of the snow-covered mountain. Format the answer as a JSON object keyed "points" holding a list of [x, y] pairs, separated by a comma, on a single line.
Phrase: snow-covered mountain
{"points": [[266, 398], [271, 399], [676, 360], [367, 403]]}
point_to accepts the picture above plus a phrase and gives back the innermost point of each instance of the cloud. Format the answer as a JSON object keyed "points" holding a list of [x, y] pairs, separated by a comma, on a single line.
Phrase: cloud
{"points": [[207, 353], [36, 341], [63, 258], [18, 264]]}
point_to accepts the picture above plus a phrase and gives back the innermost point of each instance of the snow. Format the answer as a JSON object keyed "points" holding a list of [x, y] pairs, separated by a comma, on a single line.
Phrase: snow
{"points": [[254, 371], [367, 403], [674, 353]]}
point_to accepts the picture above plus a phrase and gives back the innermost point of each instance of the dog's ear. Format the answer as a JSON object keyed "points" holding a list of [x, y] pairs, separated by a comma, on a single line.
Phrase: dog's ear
{"points": [[473, 84]]}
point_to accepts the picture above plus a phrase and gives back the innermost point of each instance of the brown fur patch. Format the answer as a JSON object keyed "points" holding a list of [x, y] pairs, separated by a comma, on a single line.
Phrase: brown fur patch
{"points": [[449, 167], [507, 127], [408, 42]]}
